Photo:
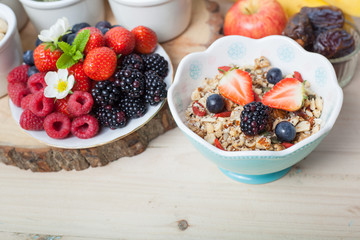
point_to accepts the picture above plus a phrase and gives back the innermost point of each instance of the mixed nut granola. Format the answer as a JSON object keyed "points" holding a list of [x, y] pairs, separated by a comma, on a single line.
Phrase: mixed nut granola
{"points": [[223, 124]]}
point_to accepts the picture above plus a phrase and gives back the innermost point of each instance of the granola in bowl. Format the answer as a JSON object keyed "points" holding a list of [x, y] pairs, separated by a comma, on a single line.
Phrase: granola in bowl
{"points": [[255, 104]]}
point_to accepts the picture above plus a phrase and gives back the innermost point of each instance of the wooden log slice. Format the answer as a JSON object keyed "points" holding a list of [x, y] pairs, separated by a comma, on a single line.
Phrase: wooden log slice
{"points": [[21, 150]]}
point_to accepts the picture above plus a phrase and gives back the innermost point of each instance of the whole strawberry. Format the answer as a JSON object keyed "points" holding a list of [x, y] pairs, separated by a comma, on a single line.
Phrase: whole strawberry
{"points": [[45, 58], [121, 40], [82, 81], [100, 63], [96, 39], [145, 39]]}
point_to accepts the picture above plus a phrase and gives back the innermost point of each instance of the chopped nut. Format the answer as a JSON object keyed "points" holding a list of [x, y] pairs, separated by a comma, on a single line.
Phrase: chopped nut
{"points": [[302, 126], [319, 103], [196, 95]]}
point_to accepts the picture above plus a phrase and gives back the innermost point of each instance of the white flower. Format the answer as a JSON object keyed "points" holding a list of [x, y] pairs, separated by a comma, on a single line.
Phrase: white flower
{"points": [[58, 83], [56, 31]]}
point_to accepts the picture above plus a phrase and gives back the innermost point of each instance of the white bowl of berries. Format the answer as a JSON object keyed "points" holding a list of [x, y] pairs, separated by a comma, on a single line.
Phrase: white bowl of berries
{"points": [[75, 91], [255, 107]]}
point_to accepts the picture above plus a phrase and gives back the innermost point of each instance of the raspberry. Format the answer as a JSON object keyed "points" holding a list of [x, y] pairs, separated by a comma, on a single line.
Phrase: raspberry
{"points": [[57, 125], [29, 121], [41, 105], [36, 82], [18, 74], [85, 126], [25, 101], [254, 118], [80, 103], [16, 92]]}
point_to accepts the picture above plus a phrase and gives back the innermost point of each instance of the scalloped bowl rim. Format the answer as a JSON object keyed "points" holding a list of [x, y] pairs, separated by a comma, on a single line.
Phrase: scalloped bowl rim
{"points": [[241, 155]]}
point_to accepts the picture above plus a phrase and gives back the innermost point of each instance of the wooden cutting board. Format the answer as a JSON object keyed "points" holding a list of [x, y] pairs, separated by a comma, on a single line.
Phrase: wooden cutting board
{"points": [[19, 149]]}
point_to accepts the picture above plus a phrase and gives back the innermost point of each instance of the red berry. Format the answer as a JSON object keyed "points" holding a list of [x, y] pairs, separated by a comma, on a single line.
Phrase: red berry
{"points": [[17, 91], [18, 74], [29, 121], [85, 126], [45, 60], [37, 82], [61, 106], [57, 125], [198, 109], [25, 101], [121, 40], [82, 81], [100, 63], [80, 103], [145, 39], [96, 39], [41, 105]]}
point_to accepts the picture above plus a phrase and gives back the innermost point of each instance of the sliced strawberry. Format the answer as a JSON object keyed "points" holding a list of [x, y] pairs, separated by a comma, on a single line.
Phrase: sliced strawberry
{"points": [[222, 114], [224, 69], [298, 76], [286, 144], [288, 95], [236, 85], [218, 144]]}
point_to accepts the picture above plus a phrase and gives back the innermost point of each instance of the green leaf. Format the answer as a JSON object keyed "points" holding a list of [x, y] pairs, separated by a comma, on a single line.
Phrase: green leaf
{"points": [[81, 39], [65, 47], [77, 56], [65, 61]]}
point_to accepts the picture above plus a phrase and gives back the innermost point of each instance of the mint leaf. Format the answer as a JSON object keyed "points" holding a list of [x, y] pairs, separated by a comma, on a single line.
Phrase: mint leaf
{"points": [[81, 39], [78, 55], [65, 61], [65, 47]]}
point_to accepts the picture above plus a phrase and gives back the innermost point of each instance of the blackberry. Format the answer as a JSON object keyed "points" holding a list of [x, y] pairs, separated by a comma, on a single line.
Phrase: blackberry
{"points": [[131, 81], [155, 88], [157, 63], [132, 60], [105, 93], [110, 116], [133, 107], [254, 118]]}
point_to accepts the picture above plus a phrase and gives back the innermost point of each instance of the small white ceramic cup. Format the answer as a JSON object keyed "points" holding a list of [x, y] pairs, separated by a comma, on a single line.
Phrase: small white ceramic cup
{"points": [[44, 14], [168, 18], [16, 6], [10, 47]]}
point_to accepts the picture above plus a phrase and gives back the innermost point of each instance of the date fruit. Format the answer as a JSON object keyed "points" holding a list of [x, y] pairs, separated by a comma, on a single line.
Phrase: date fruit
{"points": [[324, 18], [299, 28], [334, 43]]}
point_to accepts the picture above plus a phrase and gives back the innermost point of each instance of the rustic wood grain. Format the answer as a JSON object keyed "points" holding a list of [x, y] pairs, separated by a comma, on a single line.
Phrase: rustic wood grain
{"points": [[21, 150]]}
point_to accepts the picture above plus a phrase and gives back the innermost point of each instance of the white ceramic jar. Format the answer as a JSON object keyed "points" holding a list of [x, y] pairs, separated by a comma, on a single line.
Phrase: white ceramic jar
{"points": [[168, 18], [45, 14], [16, 6], [10, 47]]}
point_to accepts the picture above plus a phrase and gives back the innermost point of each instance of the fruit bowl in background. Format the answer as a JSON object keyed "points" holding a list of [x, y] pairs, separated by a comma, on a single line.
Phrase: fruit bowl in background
{"points": [[168, 18], [105, 135], [44, 14], [10, 47], [256, 166], [345, 66]]}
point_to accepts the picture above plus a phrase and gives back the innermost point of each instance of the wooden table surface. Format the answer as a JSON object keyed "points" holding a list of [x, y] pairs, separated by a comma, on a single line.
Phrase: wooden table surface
{"points": [[172, 192]]}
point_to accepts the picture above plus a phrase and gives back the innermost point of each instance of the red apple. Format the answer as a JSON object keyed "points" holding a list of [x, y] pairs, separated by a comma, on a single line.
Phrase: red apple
{"points": [[255, 18]]}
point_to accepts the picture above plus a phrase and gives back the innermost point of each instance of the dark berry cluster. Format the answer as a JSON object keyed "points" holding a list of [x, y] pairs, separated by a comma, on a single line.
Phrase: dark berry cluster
{"points": [[139, 82], [254, 118]]}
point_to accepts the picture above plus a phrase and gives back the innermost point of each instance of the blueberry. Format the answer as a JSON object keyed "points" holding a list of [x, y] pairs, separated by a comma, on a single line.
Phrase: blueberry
{"points": [[65, 37], [104, 30], [79, 26], [103, 24], [28, 57], [38, 42], [70, 38], [274, 75], [285, 131], [215, 103], [32, 70]]}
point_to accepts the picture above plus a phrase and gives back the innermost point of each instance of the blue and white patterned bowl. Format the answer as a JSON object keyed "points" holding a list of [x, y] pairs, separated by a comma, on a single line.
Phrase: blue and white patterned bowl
{"points": [[256, 166]]}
